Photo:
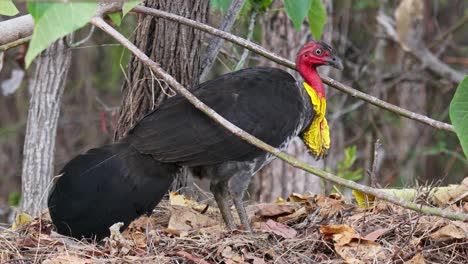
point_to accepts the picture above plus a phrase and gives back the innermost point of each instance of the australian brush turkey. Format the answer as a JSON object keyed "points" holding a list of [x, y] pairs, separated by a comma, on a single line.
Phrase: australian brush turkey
{"points": [[121, 181]]}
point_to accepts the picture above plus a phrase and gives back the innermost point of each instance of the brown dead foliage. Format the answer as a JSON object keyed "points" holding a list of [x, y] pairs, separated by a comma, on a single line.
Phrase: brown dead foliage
{"points": [[300, 229]]}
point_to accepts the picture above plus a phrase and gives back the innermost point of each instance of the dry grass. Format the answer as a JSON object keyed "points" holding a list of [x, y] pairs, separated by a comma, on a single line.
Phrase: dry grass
{"points": [[397, 235]]}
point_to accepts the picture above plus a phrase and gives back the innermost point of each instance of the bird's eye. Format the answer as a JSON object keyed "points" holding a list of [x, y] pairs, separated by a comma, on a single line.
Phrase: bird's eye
{"points": [[318, 51]]}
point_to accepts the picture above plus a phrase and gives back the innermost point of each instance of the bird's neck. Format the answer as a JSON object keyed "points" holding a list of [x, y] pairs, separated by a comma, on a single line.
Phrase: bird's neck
{"points": [[312, 78]]}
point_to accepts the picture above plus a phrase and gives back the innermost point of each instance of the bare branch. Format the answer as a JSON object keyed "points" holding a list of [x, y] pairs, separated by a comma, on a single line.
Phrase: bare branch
{"points": [[418, 50], [449, 31], [282, 61], [16, 28], [99, 22], [216, 43]]}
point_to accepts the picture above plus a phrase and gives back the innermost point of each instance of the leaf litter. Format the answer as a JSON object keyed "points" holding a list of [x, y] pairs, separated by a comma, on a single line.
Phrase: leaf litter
{"points": [[299, 229]]}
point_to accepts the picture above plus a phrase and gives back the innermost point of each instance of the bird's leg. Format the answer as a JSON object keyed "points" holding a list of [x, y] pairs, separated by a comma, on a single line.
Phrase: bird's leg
{"points": [[237, 187], [238, 202], [221, 195]]}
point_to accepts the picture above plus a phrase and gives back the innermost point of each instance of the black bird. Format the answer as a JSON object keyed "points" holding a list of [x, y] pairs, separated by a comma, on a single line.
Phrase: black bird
{"points": [[119, 182]]}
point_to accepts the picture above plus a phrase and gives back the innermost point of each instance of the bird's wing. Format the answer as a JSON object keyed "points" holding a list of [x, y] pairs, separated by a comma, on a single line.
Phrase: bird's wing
{"points": [[263, 101]]}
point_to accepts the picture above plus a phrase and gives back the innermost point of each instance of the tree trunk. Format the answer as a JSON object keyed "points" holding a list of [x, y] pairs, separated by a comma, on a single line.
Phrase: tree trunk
{"points": [[44, 109], [175, 47]]}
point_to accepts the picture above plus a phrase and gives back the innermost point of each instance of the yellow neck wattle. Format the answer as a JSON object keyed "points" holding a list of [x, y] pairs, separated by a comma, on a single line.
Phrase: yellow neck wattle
{"points": [[317, 135]]}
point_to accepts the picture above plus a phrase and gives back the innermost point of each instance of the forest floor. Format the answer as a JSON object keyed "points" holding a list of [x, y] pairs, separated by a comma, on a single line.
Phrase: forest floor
{"points": [[301, 229]]}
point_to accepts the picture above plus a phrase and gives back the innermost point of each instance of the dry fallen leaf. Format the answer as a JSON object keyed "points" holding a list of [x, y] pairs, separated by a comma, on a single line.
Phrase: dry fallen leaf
{"points": [[67, 260], [374, 235], [428, 223], [299, 198], [462, 225], [35, 240], [117, 244], [231, 256], [21, 219], [454, 193], [179, 199], [193, 258], [417, 259], [186, 219], [279, 229], [140, 224], [4, 256], [280, 200], [341, 234], [140, 240], [274, 209], [299, 213], [176, 199], [408, 17], [250, 256], [172, 232], [330, 206], [350, 245], [354, 253], [449, 231]]}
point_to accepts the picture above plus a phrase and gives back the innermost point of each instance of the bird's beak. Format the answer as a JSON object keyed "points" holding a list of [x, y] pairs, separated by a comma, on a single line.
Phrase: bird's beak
{"points": [[336, 62]]}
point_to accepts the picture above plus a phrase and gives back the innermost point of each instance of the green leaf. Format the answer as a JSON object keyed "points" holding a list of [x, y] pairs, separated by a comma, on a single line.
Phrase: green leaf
{"points": [[14, 198], [127, 6], [221, 4], [350, 157], [7, 8], [353, 175], [246, 8], [260, 5], [297, 11], [57, 21], [116, 18], [37, 9], [317, 18], [459, 113]]}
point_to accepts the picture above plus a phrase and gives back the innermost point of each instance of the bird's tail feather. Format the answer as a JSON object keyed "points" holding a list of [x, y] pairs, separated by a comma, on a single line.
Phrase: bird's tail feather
{"points": [[113, 183]]}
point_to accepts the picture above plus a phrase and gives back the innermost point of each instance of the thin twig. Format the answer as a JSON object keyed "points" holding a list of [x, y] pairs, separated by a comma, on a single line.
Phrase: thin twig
{"points": [[84, 40], [100, 23], [282, 61], [419, 51], [449, 31], [15, 43], [407, 240], [459, 198], [375, 162], [216, 43], [245, 54]]}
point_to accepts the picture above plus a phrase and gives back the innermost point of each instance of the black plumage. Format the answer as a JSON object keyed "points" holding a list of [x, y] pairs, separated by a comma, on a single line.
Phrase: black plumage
{"points": [[122, 181], [265, 102], [110, 184], [119, 182]]}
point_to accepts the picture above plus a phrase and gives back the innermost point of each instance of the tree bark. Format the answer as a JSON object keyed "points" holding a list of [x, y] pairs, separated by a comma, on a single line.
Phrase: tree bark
{"points": [[175, 47], [215, 44], [44, 109]]}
